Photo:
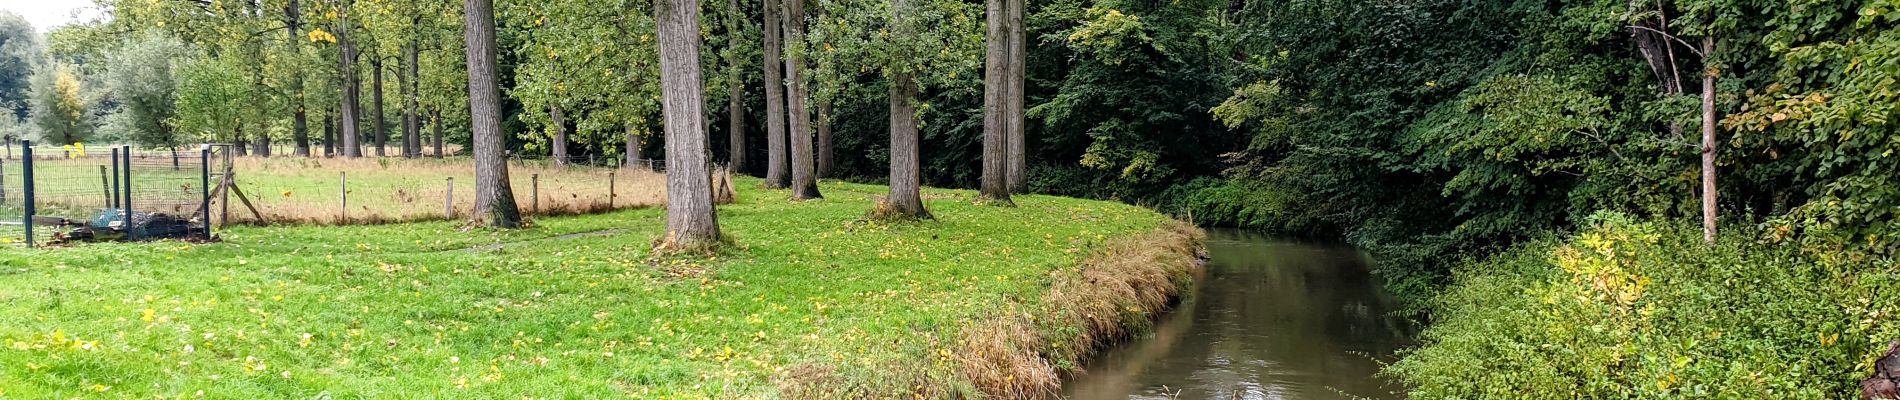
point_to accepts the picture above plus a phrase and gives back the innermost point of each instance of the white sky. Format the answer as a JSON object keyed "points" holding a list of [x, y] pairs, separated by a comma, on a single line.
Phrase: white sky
{"points": [[46, 14]]}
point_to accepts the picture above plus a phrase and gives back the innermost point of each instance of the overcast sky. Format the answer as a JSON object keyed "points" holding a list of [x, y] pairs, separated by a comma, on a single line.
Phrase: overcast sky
{"points": [[46, 14]]}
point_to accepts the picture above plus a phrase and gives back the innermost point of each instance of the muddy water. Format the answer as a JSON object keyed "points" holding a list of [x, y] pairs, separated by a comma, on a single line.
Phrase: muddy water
{"points": [[1268, 320]]}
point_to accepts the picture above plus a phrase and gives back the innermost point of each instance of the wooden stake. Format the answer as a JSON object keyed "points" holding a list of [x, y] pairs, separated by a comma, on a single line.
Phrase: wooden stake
{"points": [[448, 199]]}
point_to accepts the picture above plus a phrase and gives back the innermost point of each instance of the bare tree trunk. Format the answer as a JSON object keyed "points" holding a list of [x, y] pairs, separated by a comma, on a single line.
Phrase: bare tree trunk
{"points": [[906, 197], [995, 181], [494, 197], [436, 115], [411, 122], [825, 161], [329, 135], [299, 124], [804, 179], [559, 144], [1708, 140], [376, 98], [778, 172], [346, 70], [1013, 103], [735, 90], [691, 220], [263, 143]]}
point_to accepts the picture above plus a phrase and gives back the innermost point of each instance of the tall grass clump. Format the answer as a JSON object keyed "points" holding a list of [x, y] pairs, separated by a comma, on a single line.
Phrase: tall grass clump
{"points": [[1628, 309]]}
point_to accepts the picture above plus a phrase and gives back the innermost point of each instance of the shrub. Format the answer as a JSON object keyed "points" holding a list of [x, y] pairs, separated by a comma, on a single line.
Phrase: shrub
{"points": [[1630, 309]]}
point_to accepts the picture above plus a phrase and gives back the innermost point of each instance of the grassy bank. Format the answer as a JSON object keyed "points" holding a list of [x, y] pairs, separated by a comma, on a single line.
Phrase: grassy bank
{"points": [[812, 302], [1631, 309]]}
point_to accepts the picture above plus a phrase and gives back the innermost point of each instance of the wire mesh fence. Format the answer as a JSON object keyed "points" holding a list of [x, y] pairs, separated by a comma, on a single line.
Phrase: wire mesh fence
{"points": [[54, 194], [371, 190]]}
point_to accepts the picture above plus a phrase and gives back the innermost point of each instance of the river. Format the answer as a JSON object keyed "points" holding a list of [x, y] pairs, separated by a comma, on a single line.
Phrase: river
{"points": [[1268, 319]]}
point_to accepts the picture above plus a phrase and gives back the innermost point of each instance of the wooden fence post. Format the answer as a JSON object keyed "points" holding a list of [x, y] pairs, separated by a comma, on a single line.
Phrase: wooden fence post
{"points": [[448, 199], [344, 195], [534, 190], [105, 185], [610, 190]]}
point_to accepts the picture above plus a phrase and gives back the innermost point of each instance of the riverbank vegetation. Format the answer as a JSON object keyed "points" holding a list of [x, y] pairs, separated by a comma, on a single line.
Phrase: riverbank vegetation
{"points": [[1466, 144], [1644, 309], [812, 299]]}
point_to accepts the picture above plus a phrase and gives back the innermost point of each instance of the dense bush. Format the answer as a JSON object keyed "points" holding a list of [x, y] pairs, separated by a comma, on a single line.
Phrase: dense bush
{"points": [[1629, 309]]}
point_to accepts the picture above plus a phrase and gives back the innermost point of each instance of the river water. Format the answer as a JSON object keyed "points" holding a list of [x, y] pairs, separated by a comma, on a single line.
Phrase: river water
{"points": [[1268, 320]]}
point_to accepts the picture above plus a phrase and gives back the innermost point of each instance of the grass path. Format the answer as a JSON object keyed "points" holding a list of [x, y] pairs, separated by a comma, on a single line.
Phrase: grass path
{"points": [[397, 311]]}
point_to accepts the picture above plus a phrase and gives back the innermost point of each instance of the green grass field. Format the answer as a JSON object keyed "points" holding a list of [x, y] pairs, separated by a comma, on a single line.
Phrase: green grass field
{"points": [[574, 307]]}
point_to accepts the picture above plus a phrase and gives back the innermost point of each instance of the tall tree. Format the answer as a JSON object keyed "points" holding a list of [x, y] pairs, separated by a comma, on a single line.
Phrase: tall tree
{"points": [[140, 77], [58, 106], [691, 220], [559, 123], [346, 72], [778, 165], [299, 117], [825, 159], [995, 181], [407, 81], [20, 52], [494, 197], [906, 196], [381, 127], [1709, 74], [735, 86], [804, 175], [1013, 101]]}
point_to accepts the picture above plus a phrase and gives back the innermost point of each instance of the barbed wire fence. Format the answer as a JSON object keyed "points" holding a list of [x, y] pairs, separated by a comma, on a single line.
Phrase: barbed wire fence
{"points": [[53, 194]]}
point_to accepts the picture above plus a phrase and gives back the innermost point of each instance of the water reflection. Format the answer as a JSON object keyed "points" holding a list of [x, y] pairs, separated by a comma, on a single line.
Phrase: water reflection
{"points": [[1269, 320]]}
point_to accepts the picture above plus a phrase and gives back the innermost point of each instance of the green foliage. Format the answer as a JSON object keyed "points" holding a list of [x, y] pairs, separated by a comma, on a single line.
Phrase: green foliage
{"points": [[139, 76], [596, 60], [214, 99], [59, 110], [19, 54], [1630, 309]]}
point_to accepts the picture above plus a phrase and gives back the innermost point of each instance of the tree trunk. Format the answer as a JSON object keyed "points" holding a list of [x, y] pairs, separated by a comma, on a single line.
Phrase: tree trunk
{"points": [[263, 144], [633, 147], [778, 167], [1658, 52], [559, 144], [995, 181], [376, 97], [299, 124], [735, 92], [906, 197], [1013, 104], [346, 70], [691, 220], [1708, 140], [804, 179], [494, 197], [825, 160], [436, 115], [411, 122], [329, 135]]}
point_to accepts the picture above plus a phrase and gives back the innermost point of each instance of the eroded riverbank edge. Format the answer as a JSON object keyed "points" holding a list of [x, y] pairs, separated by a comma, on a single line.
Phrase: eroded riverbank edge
{"points": [[1027, 352]]}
